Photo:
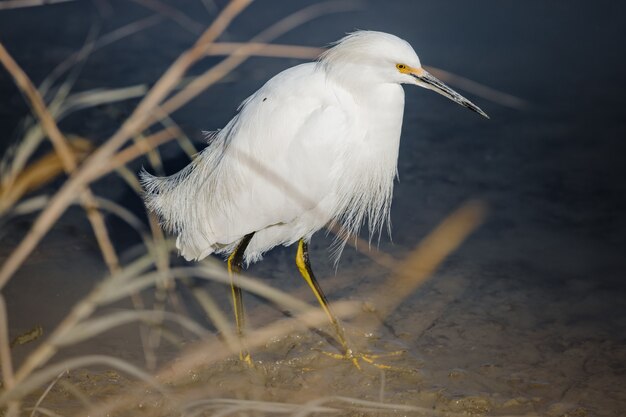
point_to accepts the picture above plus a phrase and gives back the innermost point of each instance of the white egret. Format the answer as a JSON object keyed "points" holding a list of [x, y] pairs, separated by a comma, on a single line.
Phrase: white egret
{"points": [[317, 144]]}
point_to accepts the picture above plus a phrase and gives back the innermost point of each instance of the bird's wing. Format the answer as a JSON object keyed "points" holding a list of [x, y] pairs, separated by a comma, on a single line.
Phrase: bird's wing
{"points": [[281, 153]]}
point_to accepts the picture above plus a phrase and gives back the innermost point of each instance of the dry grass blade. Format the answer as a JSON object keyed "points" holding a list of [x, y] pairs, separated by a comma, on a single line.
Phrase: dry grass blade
{"points": [[39, 202], [16, 159], [265, 49], [174, 14], [18, 4], [142, 114], [172, 76], [428, 255], [354, 405], [113, 36], [210, 6], [5, 349], [39, 107], [217, 317], [134, 151], [100, 158], [39, 173], [306, 14], [80, 312], [67, 158], [214, 74], [66, 87], [124, 214], [161, 247], [310, 407], [209, 352], [92, 98], [100, 231], [8, 379], [46, 412], [128, 217], [74, 391], [28, 206], [45, 393], [93, 327], [228, 406], [130, 271], [177, 133], [115, 291], [37, 379], [153, 156], [17, 156], [183, 140], [365, 406]]}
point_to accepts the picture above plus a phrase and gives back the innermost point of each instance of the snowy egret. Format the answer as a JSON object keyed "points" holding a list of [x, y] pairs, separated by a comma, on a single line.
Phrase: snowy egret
{"points": [[316, 145]]}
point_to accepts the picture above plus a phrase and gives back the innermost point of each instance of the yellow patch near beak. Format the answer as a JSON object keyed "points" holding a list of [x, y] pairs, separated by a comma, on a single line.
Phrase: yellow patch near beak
{"points": [[405, 69]]}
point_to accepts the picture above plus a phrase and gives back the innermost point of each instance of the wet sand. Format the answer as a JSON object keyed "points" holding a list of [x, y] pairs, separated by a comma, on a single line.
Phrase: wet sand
{"points": [[527, 317]]}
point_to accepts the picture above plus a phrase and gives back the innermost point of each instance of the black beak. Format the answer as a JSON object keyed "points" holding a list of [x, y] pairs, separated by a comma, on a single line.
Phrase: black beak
{"points": [[427, 80]]}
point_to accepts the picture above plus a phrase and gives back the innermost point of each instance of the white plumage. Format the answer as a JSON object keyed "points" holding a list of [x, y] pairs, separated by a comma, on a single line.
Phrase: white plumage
{"points": [[318, 143]]}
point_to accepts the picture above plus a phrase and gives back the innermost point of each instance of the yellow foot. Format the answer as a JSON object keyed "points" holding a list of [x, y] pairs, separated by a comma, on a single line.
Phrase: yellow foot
{"points": [[357, 357], [247, 359]]}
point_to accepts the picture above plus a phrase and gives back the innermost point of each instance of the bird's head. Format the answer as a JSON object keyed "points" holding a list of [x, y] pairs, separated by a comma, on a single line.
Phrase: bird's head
{"points": [[378, 57]]}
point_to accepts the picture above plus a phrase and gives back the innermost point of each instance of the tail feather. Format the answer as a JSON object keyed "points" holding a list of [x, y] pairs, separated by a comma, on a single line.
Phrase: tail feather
{"points": [[186, 202], [161, 196], [165, 197]]}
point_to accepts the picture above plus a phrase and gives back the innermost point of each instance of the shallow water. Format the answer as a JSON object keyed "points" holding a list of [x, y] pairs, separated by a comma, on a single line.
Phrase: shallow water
{"points": [[527, 317]]}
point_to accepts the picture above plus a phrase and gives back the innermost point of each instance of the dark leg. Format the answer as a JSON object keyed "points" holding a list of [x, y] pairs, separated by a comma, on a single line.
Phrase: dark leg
{"points": [[234, 267]]}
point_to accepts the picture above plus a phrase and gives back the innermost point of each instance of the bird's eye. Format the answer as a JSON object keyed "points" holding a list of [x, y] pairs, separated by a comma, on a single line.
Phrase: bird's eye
{"points": [[401, 67]]}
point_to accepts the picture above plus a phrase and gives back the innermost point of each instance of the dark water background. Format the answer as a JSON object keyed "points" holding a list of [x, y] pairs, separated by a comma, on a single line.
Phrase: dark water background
{"points": [[539, 291]]}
